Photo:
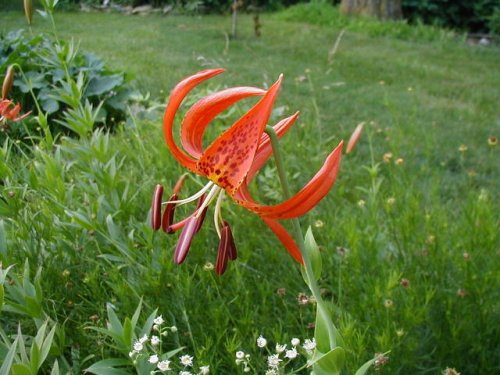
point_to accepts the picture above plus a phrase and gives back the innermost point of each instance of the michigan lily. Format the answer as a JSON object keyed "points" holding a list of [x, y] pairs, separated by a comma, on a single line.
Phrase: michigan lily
{"points": [[10, 111], [230, 163]]}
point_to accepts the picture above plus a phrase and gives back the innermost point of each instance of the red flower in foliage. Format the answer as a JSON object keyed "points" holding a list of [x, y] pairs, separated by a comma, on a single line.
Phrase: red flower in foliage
{"points": [[9, 111], [230, 163]]}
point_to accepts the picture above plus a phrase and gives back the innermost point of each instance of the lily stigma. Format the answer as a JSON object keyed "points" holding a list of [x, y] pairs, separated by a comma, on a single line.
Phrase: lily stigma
{"points": [[230, 163]]}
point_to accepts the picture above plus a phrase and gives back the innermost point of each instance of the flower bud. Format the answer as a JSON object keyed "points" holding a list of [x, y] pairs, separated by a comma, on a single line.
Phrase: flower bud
{"points": [[354, 138], [8, 81], [28, 11]]}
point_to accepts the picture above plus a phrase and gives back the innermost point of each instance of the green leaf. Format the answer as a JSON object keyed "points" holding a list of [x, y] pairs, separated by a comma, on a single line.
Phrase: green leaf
{"points": [[328, 363], [137, 313], [149, 323], [2, 296], [3, 239], [106, 367], [363, 369], [171, 353], [47, 345], [321, 332], [55, 368], [103, 84], [314, 254], [21, 369], [116, 326], [35, 357], [9, 358]]}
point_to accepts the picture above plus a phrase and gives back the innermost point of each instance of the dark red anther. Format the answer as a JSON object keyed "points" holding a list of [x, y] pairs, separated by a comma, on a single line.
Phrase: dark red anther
{"points": [[232, 246], [185, 239], [168, 214], [203, 213], [156, 207], [226, 251]]}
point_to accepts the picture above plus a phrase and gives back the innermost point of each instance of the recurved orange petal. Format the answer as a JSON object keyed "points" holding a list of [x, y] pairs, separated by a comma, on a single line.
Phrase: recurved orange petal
{"points": [[285, 239], [176, 97], [305, 199], [205, 110], [229, 158]]}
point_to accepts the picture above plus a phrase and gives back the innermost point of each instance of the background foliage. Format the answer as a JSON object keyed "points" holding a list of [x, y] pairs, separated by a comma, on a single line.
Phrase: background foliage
{"points": [[418, 200], [474, 16]]}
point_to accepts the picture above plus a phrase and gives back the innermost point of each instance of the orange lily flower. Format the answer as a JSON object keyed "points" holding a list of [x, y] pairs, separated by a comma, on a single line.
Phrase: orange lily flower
{"points": [[230, 163], [9, 111]]}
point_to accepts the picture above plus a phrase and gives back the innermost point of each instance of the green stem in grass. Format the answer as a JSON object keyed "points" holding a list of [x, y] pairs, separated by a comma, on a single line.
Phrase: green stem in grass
{"points": [[299, 238]]}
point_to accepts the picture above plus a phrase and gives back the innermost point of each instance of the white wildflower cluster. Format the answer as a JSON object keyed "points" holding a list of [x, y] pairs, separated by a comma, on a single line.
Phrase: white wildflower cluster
{"points": [[149, 349], [243, 359], [283, 354]]}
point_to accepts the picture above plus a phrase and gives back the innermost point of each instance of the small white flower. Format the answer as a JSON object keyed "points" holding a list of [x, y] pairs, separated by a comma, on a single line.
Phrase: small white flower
{"points": [[310, 345], [261, 342], [155, 340], [143, 339], [185, 373], [204, 370], [280, 348], [186, 360], [153, 359], [138, 346], [131, 354], [156, 327], [295, 341], [173, 329], [240, 355], [164, 365], [273, 361], [158, 320], [271, 372], [291, 353]]}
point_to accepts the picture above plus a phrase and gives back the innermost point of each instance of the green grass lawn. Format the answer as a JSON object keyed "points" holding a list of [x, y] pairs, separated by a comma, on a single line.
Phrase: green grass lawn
{"points": [[78, 213]]}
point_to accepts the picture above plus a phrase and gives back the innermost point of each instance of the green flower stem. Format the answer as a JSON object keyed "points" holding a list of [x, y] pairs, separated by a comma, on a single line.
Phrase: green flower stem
{"points": [[299, 238]]}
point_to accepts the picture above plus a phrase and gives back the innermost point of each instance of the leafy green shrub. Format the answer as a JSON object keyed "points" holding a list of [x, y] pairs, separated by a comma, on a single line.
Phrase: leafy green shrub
{"points": [[323, 14], [55, 76], [469, 15]]}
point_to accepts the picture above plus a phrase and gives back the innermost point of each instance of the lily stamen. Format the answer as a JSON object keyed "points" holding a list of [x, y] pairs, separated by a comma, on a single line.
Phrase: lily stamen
{"points": [[217, 214], [192, 198]]}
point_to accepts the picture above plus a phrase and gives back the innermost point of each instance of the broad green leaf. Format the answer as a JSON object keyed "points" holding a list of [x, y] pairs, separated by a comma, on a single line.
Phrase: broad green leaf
{"points": [[314, 254], [35, 357], [106, 367], [127, 333], [103, 84], [321, 331], [21, 369], [330, 363], [2, 296]]}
